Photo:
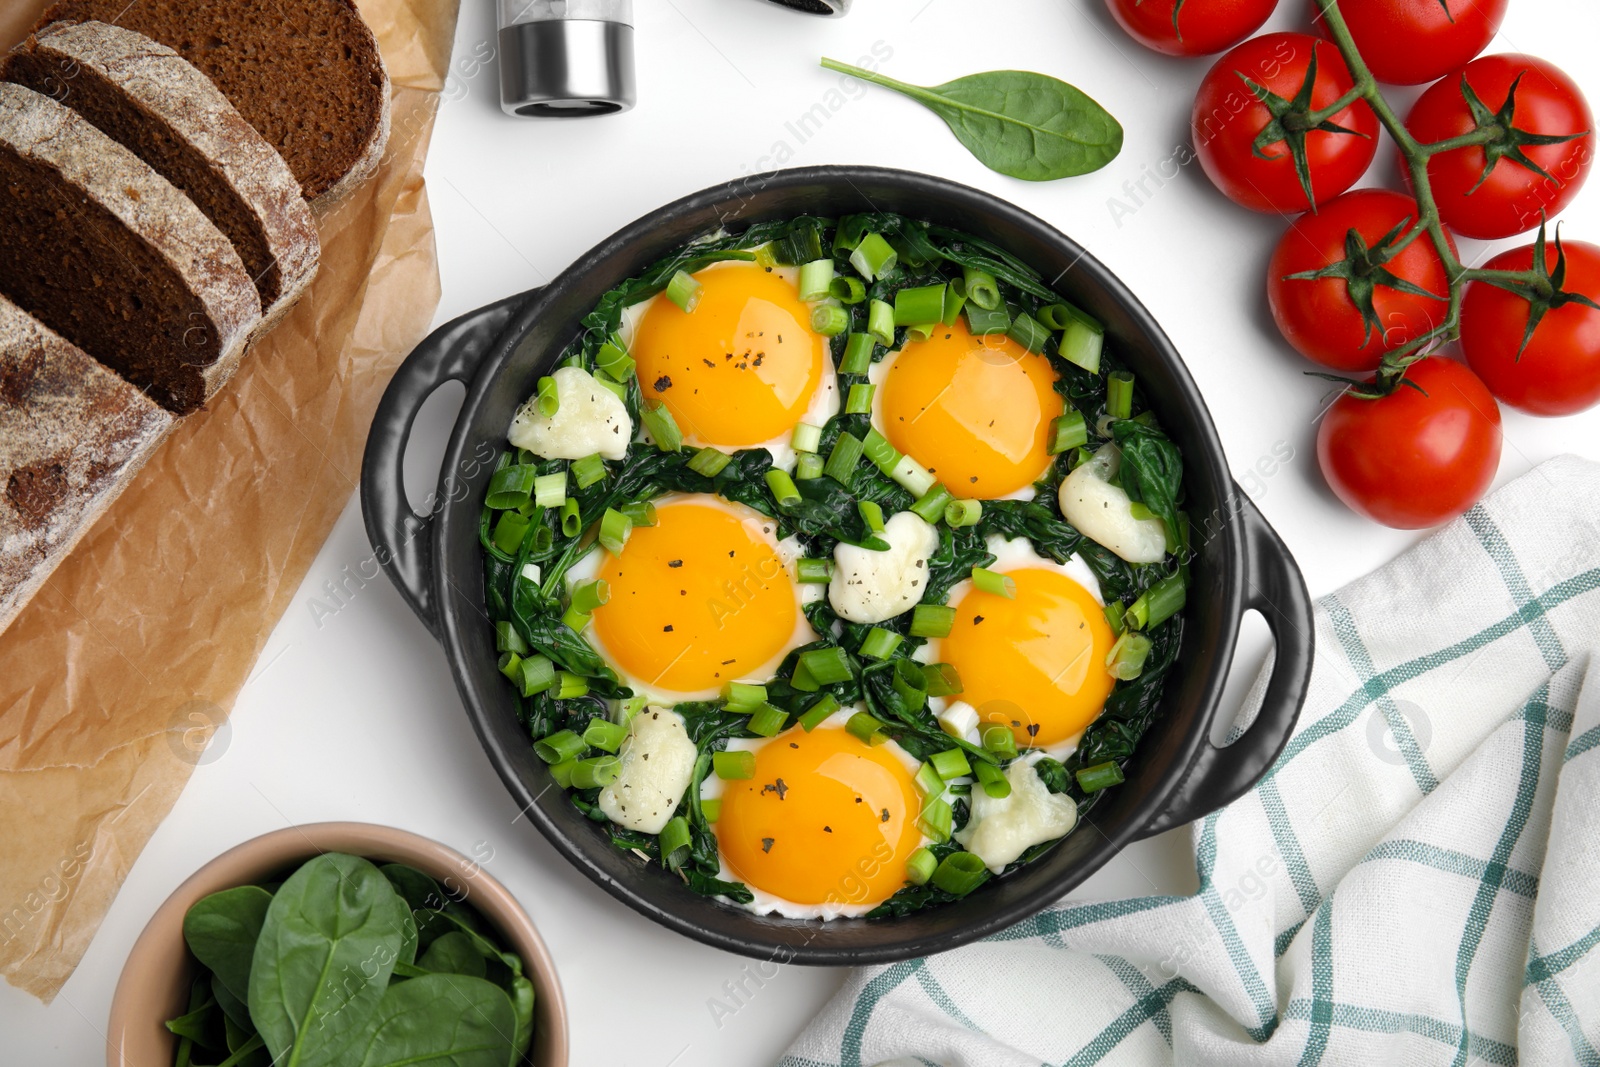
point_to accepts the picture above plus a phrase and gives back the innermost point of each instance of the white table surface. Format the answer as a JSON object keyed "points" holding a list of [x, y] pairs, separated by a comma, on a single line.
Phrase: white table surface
{"points": [[357, 718]]}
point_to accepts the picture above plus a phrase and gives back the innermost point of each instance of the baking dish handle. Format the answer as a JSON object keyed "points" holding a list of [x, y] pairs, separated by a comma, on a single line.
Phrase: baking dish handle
{"points": [[402, 540], [1220, 776]]}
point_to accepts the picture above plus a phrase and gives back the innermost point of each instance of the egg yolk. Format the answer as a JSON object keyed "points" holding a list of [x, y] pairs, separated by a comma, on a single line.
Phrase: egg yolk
{"points": [[1036, 663], [975, 411], [698, 599], [827, 819], [742, 367]]}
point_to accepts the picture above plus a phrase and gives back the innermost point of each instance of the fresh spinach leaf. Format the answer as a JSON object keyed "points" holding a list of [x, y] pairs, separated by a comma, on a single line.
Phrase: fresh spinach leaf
{"points": [[1152, 469], [222, 930], [446, 1020], [453, 953]]}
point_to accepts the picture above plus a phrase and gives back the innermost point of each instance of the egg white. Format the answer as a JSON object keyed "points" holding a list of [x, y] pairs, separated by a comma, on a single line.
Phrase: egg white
{"points": [[877, 375], [824, 403], [789, 550], [1015, 554], [763, 902]]}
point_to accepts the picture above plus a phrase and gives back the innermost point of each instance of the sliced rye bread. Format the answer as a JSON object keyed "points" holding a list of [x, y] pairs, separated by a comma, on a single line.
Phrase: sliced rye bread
{"points": [[150, 100], [306, 73], [72, 435], [109, 255]]}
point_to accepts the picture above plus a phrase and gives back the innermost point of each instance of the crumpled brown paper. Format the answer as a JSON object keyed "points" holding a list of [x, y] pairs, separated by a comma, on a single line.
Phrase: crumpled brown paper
{"points": [[112, 679]]}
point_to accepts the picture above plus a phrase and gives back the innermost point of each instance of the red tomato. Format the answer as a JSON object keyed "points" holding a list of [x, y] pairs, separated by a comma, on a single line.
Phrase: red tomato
{"points": [[1510, 201], [1417, 457], [1190, 27], [1408, 42], [1228, 119], [1559, 372], [1348, 322]]}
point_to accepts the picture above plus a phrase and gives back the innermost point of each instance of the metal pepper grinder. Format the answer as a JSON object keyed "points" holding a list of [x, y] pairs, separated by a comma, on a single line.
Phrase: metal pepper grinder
{"points": [[826, 8], [566, 58]]}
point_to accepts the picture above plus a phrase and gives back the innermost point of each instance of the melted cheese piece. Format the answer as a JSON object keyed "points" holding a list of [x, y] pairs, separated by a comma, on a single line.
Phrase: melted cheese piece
{"points": [[999, 831], [590, 419], [872, 586], [1102, 512], [657, 764]]}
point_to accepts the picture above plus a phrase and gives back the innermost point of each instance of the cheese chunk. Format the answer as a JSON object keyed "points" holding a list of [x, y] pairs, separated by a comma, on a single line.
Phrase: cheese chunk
{"points": [[870, 586], [1100, 510], [999, 831], [590, 419], [657, 764]]}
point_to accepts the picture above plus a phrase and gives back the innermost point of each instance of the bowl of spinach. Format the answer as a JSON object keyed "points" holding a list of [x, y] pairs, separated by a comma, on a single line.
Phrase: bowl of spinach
{"points": [[339, 943]]}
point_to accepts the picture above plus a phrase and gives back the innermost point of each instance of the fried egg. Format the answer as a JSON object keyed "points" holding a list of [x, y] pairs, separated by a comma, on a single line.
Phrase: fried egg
{"points": [[704, 597], [975, 411], [1037, 662], [741, 370], [825, 826]]}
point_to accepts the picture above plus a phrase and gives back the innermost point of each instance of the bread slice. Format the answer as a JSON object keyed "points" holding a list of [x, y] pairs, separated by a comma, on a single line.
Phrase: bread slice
{"points": [[109, 255], [306, 73], [147, 98], [72, 434]]}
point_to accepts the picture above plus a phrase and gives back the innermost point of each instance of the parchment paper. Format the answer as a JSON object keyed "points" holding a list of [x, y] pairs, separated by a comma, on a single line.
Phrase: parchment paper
{"points": [[114, 677]]}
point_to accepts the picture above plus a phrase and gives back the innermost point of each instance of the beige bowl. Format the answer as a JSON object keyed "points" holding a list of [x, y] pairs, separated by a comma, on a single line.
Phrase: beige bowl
{"points": [[154, 986]]}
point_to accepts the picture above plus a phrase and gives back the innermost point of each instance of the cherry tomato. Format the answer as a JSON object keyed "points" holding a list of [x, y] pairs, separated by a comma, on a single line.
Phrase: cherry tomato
{"points": [[1190, 27], [1230, 122], [1559, 372], [1419, 456], [1408, 42], [1510, 200], [1358, 310]]}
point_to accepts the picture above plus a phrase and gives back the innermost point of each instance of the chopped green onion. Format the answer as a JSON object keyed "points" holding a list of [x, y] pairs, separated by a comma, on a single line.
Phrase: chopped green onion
{"points": [[920, 866], [674, 842], [873, 257], [1081, 342], [871, 514], [766, 257], [819, 712], [562, 773], [960, 873], [511, 665], [587, 596], [880, 643], [710, 462], [536, 674], [981, 288], [767, 720], [742, 696], [616, 389], [865, 728], [925, 303], [909, 684], [877, 448], [614, 360], [782, 486], [640, 513], [857, 353], [929, 782], [604, 734], [932, 620], [982, 321], [801, 679], [1027, 332], [631, 707], [841, 465], [1127, 656], [685, 290], [1160, 602], [1140, 511], [711, 808], [662, 426], [955, 298], [880, 322], [576, 620], [829, 319], [595, 772], [922, 331], [1114, 616], [999, 740], [963, 512], [734, 765], [1068, 431], [813, 570], [806, 437], [548, 401], [1056, 316], [860, 399], [994, 582], [588, 470], [941, 679], [807, 465], [1119, 394], [507, 639], [930, 508], [912, 476], [827, 665], [511, 487], [815, 279], [993, 779], [615, 528], [508, 532], [550, 490], [571, 520], [951, 763], [935, 822], [847, 290], [560, 746], [1100, 776]]}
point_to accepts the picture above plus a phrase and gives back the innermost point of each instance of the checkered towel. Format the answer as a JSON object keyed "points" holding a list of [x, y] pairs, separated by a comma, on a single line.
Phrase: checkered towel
{"points": [[1416, 881]]}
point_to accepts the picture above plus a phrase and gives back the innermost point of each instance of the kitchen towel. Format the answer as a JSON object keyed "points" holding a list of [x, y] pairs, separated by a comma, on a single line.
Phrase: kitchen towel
{"points": [[1416, 880]]}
